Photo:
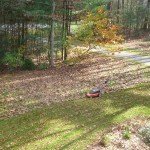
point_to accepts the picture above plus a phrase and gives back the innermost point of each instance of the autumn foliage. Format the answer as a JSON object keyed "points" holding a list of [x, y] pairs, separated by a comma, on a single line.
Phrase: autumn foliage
{"points": [[99, 29]]}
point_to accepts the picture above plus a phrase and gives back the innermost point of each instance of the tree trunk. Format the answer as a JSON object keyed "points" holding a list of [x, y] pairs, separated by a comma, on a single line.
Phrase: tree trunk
{"points": [[118, 11], [149, 14], [52, 36], [123, 4], [146, 20], [67, 14]]}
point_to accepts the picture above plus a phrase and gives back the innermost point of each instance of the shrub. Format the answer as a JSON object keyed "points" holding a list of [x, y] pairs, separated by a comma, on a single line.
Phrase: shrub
{"points": [[43, 66], [2, 52], [72, 61], [28, 64], [13, 60], [98, 28]]}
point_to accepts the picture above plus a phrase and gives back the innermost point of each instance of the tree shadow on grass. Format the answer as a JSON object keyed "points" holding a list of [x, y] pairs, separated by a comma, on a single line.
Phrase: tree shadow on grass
{"points": [[72, 122]]}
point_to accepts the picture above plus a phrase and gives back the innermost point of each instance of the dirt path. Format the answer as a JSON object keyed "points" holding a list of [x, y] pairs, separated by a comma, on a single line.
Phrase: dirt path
{"points": [[126, 55]]}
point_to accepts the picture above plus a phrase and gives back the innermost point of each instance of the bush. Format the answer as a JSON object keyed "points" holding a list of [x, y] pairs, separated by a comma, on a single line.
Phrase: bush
{"points": [[43, 66], [13, 60], [28, 65], [2, 52], [2, 66], [72, 61]]}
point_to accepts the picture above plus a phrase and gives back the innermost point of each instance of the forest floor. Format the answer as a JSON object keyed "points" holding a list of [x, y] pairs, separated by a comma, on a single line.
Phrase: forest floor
{"points": [[125, 136]]}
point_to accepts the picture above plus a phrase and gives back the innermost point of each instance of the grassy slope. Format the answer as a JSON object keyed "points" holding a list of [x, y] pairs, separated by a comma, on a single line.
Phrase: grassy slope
{"points": [[73, 124]]}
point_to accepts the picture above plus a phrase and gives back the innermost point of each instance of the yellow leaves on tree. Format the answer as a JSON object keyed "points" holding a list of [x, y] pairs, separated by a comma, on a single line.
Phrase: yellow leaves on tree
{"points": [[98, 28]]}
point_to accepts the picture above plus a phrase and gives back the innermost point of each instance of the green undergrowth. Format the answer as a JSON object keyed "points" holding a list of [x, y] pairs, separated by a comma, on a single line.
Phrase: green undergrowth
{"points": [[73, 124]]}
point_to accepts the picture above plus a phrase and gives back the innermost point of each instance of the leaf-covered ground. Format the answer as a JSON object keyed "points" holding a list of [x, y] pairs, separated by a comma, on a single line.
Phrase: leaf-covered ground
{"points": [[73, 124], [125, 136], [25, 91]]}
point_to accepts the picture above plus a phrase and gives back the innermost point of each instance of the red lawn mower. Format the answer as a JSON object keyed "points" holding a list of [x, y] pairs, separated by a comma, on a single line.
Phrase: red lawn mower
{"points": [[97, 92]]}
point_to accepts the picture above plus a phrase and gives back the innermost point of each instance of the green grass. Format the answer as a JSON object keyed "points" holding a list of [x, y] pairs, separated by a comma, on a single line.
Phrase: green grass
{"points": [[73, 124]]}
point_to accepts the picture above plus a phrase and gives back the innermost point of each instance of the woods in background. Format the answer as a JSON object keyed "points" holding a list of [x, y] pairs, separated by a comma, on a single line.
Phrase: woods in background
{"points": [[39, 29], [132, 15]]}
